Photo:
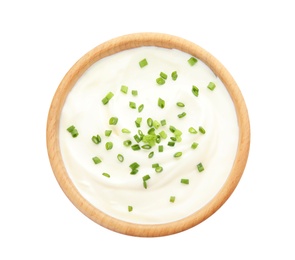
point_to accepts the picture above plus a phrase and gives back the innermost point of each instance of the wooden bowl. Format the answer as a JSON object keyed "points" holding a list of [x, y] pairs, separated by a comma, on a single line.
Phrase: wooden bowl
{"points": [[111, 47]]}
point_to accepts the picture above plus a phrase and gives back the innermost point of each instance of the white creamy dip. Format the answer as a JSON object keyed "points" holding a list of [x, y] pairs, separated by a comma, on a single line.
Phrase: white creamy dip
{"points": [[212, 110]]}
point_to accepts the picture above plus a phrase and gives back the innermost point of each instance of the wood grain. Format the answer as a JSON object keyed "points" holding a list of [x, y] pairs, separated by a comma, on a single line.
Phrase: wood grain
{"points": [[111, 47]]}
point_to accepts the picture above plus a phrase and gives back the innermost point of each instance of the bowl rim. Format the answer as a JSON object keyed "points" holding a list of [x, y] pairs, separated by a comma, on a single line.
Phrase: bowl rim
{"points": [[113, 46]]}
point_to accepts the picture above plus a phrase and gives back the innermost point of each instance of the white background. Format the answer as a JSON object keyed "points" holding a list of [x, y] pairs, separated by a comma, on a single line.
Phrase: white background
{"points": [[41, 40]]}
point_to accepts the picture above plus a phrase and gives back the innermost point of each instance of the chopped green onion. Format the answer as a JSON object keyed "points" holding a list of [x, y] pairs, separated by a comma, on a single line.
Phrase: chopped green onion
{"points": [[120, 157], [158, 139], [163, 75], [140, 133], [96, 160], [74, 132], [124, 89], [130, 208], [156, 124], [155, 165], [134, 165], [161, 103], [150, 122], [107, 98], [107, 132], [200, 167], [174, 75], [171, 144], [151, 131], [163, 134], [137, 138], [160, 81], [173, 138], [184, 181], [192, 61], [96, 139], [159, 169], [134, 93], [143, 63], [125, 131], [172, 129], [195, 90], [202, 130], [109, 145], [140, 108], [71, 128], [172, 199], [151, 154], [211, 86], [161, 148], [183, 114], [146, 177], [192, 130], [106, 175], [150, 139], [127, 143], [146, 146], [194, 145], [138, 121], [134, 171], [135, 147], [178, 154], [132, 105], [180, 104], [113, 120], [145, 184], [163, 122]]}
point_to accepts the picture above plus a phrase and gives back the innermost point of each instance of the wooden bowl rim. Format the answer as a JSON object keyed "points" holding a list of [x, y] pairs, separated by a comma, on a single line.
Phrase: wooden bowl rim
{"points": [[111, 47]]}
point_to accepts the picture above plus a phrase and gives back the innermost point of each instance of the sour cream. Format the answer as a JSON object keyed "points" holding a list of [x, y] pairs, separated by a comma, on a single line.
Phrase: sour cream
{"points": [[212, 110]]}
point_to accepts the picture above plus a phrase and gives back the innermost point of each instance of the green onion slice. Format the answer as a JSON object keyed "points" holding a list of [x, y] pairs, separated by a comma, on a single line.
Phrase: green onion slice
{"points": [[113, 120], [172, 199], [194, 145], [143, 63], [107, 98], [184, 181], [183, 114], [124, 89], [163, 75], [127, 143], [211, 86], [200, 167], [160, 81], [96, 139], [178, 154], [108, 132], [192, 130], [132, 105], [126, 131], [174, 75], [161, 103], [151, 154], [73, 131], [202, 130], [134, 93], [106, 175], [109, 145], [140, 108], [180, 104], [96, 160], [195, 91], [120, 157], [192, 61]]}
